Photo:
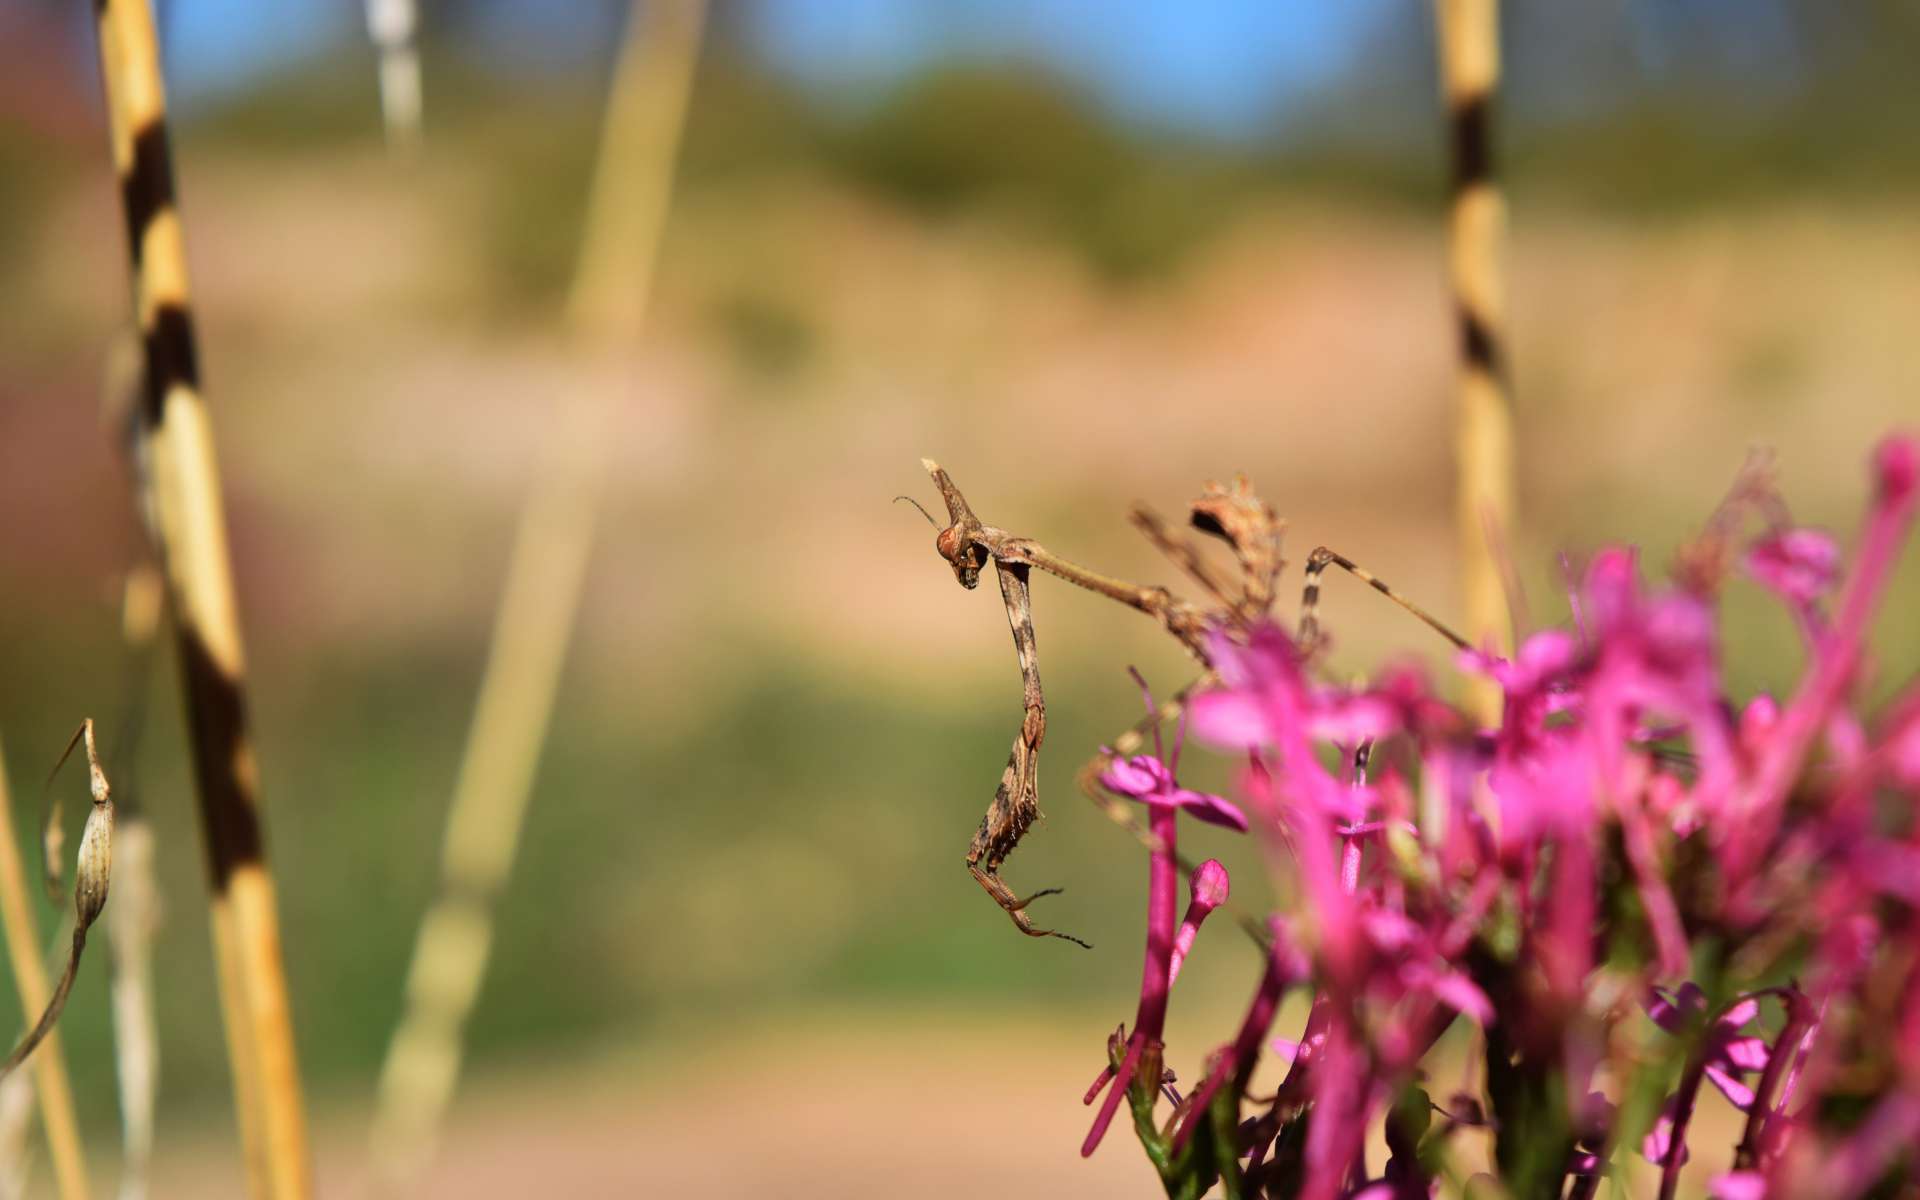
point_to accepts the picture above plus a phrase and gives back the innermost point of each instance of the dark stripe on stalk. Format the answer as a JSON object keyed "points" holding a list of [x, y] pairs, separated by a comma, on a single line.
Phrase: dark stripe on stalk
{"points": [[170, 357], [146, 190], [217, 717], [1471, 124], [1478, 342]]}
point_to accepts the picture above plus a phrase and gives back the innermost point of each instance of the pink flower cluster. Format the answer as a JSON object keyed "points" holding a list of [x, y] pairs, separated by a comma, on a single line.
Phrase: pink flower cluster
{"points": [[1633, 886]]}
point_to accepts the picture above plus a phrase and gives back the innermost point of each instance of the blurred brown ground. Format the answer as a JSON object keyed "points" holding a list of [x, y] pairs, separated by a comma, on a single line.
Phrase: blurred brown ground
{"points": [[958, 1107]]}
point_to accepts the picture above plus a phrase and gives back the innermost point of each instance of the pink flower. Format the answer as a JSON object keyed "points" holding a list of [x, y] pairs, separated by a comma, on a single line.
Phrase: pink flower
{"points": [[1726, 1051], [1150, 781], [1658, 1143], [1738, 1185], [1265, 700], [1626, 817], [1543, 659], [1799, 565]]}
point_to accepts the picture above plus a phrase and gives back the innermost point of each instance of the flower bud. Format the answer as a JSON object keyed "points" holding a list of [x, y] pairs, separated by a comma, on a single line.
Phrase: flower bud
{"points": [[1208, 889]]}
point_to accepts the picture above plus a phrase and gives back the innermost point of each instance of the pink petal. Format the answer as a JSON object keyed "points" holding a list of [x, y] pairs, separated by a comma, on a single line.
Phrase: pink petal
{"points": [[1611, 588], [1892, 867], [1672, 1012], [1680, 634], [1903, 745], [1463, 995], [1739, 1014], [1799, 565], [1737, 1093], [1352, 720], [1747, 1053], [1214, 810], [1542, 658], [1389, 930], [1232, 720], [1141, 775], [1738, 1185], [1659, 1140]]}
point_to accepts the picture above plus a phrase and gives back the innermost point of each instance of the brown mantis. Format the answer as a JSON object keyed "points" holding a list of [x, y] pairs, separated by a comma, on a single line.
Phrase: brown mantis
{"points": [[1235, 515]]}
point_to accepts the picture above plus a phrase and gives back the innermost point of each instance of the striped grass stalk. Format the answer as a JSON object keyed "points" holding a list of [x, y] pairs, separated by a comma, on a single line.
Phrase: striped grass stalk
{"points": [[183, 495], [1469, 47]]}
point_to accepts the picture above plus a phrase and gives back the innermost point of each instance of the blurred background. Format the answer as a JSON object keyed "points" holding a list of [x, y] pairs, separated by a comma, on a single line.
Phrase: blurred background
{"points": [[1080, 253]]}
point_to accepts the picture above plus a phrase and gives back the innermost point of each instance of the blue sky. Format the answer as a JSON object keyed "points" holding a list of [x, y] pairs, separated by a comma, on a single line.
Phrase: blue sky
{"points": [[1200, 67], [1218, 67]]}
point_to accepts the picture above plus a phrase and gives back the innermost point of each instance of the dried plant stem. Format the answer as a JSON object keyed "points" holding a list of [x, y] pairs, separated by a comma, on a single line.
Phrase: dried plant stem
{"points": [[135, 918], [534, 625], [92, 873], [393, 26], [183, 496], [1469, 41], [55, 1006], [136, 1040], [30, 980], [16, 1124]]}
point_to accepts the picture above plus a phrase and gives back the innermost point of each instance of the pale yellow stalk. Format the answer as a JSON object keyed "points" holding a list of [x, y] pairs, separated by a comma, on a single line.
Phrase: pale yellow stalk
{"points": [[606, 309]]}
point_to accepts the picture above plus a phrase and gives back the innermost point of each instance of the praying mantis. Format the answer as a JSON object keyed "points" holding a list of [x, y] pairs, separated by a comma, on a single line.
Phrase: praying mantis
{"points": [[1235, 515]]}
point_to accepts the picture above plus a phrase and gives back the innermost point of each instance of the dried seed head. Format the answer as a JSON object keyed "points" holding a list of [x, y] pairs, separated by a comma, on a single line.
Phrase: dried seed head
{"points": [[94, 863], [92, 870]]}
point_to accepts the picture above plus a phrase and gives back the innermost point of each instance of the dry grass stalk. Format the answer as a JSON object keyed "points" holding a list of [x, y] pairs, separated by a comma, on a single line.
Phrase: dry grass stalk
{"points": [[130, 930], [183, 498], [534, 625], [30, 980], [135, 919], [393, 25], [1469, 41], [136, 909], [16, 1124]]}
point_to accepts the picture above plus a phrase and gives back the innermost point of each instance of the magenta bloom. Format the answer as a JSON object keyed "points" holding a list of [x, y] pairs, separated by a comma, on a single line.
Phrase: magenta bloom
{"points": [[1150, 781], [1727, 1052], [1629, 820], [1799, 565]]}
